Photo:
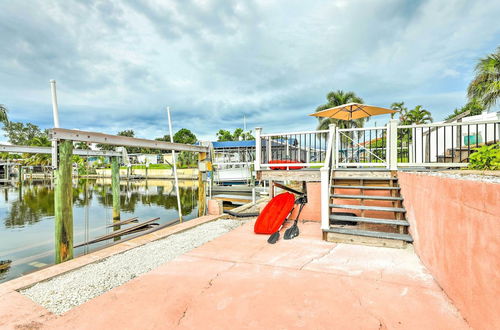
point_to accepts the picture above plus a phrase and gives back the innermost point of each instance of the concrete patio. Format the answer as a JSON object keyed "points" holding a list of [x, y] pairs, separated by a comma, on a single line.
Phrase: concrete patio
{"points": [[240, 281]]}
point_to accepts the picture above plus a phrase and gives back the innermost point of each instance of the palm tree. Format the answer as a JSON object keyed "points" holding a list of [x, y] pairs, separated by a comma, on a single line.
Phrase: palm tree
{"points": [[40, 141], [3, 114], [417, 116], [474, 107], [486, 84], [82, 145], [403, 111], [335, 99]]}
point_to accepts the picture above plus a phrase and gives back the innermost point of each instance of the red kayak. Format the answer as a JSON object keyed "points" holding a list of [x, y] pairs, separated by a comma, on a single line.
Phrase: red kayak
{"points": [[285, 161], [274, 214]]}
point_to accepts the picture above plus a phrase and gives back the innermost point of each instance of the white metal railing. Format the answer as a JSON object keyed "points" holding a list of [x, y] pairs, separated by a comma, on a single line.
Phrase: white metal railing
{"points": [[362, 146], [443, 144], [393, 146], [291, 150]]}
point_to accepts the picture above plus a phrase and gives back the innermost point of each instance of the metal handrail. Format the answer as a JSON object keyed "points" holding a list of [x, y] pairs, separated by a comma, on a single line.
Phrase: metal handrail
{"points": [[295, 133], [462, 123], [360, 129]]}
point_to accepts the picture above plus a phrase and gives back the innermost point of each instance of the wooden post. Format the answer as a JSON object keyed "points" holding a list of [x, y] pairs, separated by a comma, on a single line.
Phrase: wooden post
{"points": [[20, 175], [20, 182], [115, 187], [201, 186], [63, 201]]}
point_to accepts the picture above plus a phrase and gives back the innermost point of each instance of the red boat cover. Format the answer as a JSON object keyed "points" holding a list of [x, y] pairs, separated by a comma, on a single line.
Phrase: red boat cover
{"points": [[274, 214]]}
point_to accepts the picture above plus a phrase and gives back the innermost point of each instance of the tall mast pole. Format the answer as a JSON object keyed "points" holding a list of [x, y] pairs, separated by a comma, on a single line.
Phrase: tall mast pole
{"points": [[176, 180]]}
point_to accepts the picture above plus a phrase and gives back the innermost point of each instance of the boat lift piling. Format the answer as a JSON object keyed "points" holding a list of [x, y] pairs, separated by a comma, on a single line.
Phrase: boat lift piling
{"points": [[63, 203], [115, 187]]}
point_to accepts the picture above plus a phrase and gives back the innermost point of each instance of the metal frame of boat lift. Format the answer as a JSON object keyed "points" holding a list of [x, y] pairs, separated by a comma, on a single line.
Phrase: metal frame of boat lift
{"points": [[57, 134], [48, 150]]}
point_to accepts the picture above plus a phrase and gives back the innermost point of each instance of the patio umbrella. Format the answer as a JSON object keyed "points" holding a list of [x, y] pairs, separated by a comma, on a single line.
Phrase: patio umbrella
{"points": [[351, 111]]}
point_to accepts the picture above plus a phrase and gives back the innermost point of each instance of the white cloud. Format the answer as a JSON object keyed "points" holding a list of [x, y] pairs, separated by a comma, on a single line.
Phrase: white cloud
{"points": [[118, 64]]}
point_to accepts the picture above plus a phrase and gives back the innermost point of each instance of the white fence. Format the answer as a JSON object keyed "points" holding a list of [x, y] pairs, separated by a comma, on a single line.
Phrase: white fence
{"points": [[393, 146], [291, 150]]}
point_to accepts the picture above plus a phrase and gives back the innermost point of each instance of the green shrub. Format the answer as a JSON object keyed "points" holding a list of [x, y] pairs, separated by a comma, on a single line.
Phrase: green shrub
{"points": [[485, 158]]}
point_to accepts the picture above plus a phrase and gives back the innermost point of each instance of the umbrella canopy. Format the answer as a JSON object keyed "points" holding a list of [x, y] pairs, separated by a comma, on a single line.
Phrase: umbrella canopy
{"points": [[351, 111]]}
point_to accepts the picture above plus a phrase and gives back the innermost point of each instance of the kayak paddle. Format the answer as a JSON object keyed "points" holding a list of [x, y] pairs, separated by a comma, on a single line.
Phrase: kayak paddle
{"points": [[274, 237], [293, 231]]}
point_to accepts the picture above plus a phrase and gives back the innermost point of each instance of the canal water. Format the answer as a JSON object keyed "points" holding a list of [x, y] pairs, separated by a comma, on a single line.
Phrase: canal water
{"points": [[27, 216]]}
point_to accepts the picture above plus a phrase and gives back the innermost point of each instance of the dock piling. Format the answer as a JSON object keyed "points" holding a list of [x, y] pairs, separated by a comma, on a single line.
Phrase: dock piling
{"points": [[115, 187], [201, 186], [64, 203]]}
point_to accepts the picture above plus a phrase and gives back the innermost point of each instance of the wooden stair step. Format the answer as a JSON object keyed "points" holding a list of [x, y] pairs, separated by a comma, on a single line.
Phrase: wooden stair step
{"points": [[378, 198], [368, 208], [369, 220], [365, 187], [369, 233]]}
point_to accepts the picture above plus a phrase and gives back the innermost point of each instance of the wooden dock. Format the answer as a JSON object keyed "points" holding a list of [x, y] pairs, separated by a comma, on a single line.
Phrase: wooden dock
{"points": [[234, 199]]}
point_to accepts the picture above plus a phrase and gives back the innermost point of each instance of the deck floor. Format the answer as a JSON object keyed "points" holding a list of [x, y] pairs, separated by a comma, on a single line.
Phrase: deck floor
{"points": [[240, 281]]}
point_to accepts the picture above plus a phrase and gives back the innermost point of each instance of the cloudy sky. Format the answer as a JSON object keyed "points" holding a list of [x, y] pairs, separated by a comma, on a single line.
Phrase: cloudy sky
{"points": [[119, 63]]}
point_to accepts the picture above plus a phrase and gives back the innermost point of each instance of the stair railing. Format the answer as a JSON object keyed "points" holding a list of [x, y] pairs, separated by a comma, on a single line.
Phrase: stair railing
{"points": [[326, 175]]}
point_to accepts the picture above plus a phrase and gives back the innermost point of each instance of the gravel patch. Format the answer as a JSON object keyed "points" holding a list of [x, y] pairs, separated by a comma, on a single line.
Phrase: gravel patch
{"points": [[62, 293]]}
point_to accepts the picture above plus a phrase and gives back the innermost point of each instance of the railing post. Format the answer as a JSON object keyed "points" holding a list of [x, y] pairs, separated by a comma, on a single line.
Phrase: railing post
{"points": [[392, 145], [325, 198], [269, 145], [258, 148], [325, 177], [332, 134]]}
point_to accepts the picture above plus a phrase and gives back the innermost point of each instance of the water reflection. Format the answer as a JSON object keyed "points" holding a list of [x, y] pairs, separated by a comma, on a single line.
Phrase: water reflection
{"points": [[27, 216], [37, 200], [4, 268]]}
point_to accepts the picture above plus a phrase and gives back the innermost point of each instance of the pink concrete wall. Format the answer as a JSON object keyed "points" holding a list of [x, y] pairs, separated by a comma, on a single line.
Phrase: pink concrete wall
{"points": [[312, 210], [456, 228]]}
